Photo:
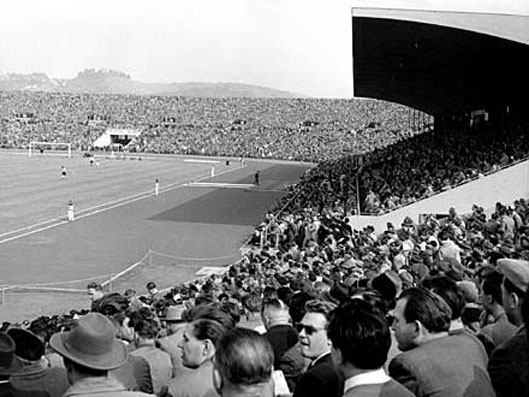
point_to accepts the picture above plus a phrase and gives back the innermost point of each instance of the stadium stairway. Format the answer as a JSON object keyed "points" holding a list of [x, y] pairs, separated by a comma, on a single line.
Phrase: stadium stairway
{"points": [[504, 186]]}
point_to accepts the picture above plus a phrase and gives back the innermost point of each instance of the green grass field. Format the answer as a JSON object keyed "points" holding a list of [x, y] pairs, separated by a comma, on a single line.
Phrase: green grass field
{"points": [[119, 220]]}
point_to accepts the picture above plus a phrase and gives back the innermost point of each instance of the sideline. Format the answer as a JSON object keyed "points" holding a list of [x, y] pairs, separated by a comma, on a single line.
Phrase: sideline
{"points": [[56, 222]]}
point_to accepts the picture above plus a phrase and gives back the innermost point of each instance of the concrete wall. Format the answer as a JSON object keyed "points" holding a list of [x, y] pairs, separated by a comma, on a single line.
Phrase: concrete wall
{"points": [[504, 186]]}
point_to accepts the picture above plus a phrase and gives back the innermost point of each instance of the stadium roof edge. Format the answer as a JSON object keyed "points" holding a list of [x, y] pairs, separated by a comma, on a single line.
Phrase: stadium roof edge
{"points": [[440, 62], [508, 26]]}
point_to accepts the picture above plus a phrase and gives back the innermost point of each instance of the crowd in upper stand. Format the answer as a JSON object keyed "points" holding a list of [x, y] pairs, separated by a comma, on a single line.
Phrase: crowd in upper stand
{"points": [[288, 129], [410, 170]]}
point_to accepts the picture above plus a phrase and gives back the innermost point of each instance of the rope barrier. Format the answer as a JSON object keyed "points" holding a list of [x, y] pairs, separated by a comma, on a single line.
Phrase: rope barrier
{"points": [[128, 269], [196, 259], [63, 282]]}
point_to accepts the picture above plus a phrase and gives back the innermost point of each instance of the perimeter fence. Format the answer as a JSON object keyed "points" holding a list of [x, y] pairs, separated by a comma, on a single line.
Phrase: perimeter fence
{"points": [[164, 269]]}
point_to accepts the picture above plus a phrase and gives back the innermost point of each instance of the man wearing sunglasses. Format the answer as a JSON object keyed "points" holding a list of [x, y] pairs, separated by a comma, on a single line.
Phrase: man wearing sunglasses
{"points": [[321, 377]]}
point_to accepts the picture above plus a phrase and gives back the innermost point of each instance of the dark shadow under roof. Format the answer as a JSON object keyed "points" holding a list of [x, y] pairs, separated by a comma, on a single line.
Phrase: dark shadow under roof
{"points": [[441, 63]]}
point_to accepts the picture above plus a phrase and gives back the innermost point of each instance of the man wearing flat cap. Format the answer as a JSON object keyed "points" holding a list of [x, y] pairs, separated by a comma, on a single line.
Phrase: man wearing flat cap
{"points": [[90, 350], [509, 364]]}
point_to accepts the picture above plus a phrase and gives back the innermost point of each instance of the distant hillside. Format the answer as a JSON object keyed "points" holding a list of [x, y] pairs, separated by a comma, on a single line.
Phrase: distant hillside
{"points": [[114, 82]]}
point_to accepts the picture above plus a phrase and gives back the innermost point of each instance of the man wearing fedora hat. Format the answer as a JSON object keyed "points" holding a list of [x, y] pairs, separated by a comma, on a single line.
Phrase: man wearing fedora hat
{"points": [[135, 374], [90, 350], [10, 364], [36, 372]]}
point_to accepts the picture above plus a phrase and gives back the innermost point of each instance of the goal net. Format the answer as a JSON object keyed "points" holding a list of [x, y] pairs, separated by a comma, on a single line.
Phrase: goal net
{"points": [[57, 147]]}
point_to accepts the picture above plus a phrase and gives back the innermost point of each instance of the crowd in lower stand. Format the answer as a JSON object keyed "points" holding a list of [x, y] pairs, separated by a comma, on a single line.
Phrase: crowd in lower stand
{"points": [[314, 307]]}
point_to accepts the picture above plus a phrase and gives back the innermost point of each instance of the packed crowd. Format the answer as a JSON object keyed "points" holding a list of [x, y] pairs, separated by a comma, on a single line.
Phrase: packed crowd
{"points": [[288, 129], [410, 170], [369, 159], [314, 308]]}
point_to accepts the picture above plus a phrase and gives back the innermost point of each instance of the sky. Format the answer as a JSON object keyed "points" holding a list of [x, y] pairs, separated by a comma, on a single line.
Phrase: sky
{"points": [[302, 46]]}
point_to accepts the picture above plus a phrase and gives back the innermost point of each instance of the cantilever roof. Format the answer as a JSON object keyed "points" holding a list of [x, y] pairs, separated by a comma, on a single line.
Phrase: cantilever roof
{"points": [[441, 62]]}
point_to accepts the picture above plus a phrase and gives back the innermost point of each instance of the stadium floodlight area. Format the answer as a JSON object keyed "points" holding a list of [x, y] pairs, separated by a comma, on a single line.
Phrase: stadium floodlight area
{"points": [[60, 147]]}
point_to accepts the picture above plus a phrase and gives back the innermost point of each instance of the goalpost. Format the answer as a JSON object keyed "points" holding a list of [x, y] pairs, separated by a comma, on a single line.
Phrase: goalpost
{"points": [[35, 144]]}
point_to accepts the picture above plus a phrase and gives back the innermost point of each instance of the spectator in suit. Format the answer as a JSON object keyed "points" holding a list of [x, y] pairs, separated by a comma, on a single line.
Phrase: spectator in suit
{"points": [[360, 343], [94, 291], [155, 295], [146, 327], [174, 327], [135, 374], [509, 364], [501, 329], [243, 365], [321, 377], [434, 363], [284, 340], [90, 351]]}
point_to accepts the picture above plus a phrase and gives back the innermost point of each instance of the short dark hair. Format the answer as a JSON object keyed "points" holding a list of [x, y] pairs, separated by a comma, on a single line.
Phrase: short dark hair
{"points": [[513, 289], [208, 329], [231, 308], [252, 302], [94, 285], [285, 294], [297, 305], [319, 306], [428, 308], [144, 323], [146, 328], [361, 332], [447, 289], [211, 311], [373, 297], [110, 304], [244, 357], [525, 311], [492, 286], [274, 303], [150, 285]]}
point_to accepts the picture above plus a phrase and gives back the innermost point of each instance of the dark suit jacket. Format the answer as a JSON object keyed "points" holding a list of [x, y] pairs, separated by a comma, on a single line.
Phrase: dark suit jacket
{"points": [[7, 390], [281, 337], [452, 366], [287, 353], [320, 379], [509, 366], [387, 389], [135, 374]]}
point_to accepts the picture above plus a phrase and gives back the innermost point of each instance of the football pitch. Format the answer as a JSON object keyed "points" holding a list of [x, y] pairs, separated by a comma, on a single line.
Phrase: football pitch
{"points": [[196, 221]]}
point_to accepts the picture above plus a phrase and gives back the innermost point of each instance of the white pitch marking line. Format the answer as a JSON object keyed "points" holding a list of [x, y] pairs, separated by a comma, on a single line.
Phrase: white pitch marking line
{"points": [[102, 207], [201, 161]]}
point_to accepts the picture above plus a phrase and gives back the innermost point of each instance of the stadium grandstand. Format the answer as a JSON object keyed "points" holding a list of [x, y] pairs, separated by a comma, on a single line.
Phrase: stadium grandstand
{"points": [[438, 212]]}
